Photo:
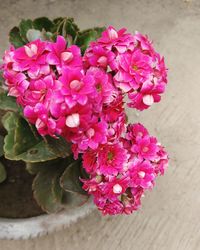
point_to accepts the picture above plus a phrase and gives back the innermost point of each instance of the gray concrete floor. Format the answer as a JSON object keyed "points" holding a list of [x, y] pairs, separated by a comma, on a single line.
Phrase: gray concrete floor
{"points": [[170, 217]]}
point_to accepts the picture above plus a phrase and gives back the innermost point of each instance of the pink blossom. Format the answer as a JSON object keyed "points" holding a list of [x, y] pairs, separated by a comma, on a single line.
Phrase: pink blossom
{"points": [[134, 69], [148, 94], [112, 208], [60, 55], [97, 56], [93, 136], [145, 147], [142, 174], [111, 159], [136, 131], [119, 40], [90, 161], [143, 43], [31, 56], [76, 87], [105, 92]]}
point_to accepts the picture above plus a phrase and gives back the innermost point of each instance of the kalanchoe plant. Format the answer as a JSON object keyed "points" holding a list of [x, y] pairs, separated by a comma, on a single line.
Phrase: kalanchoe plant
{"points": [[64, 92]]}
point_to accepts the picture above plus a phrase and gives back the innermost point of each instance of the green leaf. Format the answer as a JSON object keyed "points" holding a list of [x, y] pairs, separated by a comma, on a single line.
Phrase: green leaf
{"points": [[85, 37], [21, 143], [70, 179], [43, 191], [8, 102], [58, 20], [15, 38], [70, 29], [65, 27], [74, 199], [47, 183], [1, 145], [33, 35], [3, 174], [59, 146], [43, 23], [24, 27], [34, 168]]}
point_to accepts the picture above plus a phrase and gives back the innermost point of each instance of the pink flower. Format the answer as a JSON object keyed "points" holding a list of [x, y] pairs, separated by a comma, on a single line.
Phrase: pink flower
{"points": [[76, 122], [142, 174], [17, 84], [111, 159], [119, 40], [60, 55], [94, 136], [162, 161], [31, 56], [76, 87], [115, 187], [40, 91], [112, 208], [105, 92], [134, 69], [145, 147], [97, 56], [112, 111], [143, 43], [136, 131], [132, 199], [148, 94], [90, 161]]}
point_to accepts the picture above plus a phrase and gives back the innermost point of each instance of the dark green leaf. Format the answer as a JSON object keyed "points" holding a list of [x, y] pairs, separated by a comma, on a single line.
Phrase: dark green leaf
{"points": [[3, 174], [34, 168], [21, 143], [43, 23], [1, 145], [33, 34], [74, 199], [24, 27], [70, 179], [70, 28], [59, 146], [43, 192], [15, 38], [85, 37], [8, 102]]}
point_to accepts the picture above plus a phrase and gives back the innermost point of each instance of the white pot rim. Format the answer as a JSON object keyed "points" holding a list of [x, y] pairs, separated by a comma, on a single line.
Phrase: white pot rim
{"points": [[15, 229]]}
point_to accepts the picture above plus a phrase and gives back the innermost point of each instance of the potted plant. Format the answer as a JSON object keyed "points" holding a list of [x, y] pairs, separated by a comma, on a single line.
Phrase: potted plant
{"points": [[64, 132]]}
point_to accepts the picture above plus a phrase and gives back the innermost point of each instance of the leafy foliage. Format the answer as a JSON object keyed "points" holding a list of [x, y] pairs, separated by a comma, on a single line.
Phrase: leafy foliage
{"points": [[3, 174], [59, 146], [45, 29], [15, 37], [8, 102], [21, 143], [48, 192], [1, 146], [70, 178], [87, 36]]}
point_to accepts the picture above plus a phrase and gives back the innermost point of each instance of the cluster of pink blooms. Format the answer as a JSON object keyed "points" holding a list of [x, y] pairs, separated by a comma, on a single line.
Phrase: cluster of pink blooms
{"points": [[122, 171], [81, 98]]}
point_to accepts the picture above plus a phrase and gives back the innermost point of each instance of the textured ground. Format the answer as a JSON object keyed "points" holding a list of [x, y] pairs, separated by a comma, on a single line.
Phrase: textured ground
{"points": [[170, 217]]}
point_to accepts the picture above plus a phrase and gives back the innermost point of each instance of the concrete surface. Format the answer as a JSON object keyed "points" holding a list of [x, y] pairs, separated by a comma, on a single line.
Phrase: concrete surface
{"points": [[170, 217]]}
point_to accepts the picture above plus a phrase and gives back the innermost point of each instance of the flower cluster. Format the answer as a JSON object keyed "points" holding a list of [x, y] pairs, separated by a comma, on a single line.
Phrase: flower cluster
{"points": [[121, 172], [81, 98], [137, 68]]}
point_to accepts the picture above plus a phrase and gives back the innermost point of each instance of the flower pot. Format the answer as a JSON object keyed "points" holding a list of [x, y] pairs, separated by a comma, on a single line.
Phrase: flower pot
{"points": [[15, 229]]}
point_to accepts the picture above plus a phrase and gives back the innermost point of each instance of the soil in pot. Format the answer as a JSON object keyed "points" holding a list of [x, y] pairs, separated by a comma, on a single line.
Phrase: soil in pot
{"points": [[16, 197]]}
